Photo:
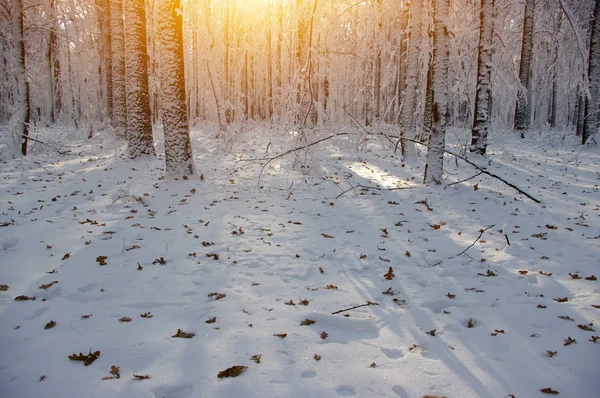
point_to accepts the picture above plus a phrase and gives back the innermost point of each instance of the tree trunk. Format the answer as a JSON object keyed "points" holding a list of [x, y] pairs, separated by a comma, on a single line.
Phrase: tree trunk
{"points": [[523, 108], [441, 56], [54, 60], [23, 119], [483, 91], [139, 118], [119, 115], [592, 103], [428, 111], [407, 112], [178, 149]]}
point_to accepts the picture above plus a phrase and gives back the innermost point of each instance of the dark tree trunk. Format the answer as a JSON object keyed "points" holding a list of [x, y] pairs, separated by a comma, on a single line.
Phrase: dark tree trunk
{"points": [[523, 107], [592, 103]]}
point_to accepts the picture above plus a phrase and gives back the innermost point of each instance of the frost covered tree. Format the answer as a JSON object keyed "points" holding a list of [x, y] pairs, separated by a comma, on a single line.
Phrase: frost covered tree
{"points": [[592, 103], [22, 117], [523, 107], [483, 90], [407, 113], [139, 118], [178, 149], [117, 42], [441, 56], [103, 8]]}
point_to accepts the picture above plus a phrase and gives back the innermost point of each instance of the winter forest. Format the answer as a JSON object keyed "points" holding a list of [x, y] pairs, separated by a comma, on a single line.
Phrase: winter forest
{"points": [[299, 198]]}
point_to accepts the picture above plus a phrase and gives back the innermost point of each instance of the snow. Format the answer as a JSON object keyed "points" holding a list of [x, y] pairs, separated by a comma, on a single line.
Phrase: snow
{"points": [[298, 238]]}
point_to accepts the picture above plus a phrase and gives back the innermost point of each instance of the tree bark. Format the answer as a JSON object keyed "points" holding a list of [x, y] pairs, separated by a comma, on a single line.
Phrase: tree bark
{"points": [[178, 149], [139, 118], [23, 117], [592, 102], [483, 91], [523, 107], [441, 56], [119, 114]]}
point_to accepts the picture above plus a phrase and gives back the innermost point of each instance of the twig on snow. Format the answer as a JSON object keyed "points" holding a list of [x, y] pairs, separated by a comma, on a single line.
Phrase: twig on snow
{"points": [[355, 307], [466, 179], [481, 232]]}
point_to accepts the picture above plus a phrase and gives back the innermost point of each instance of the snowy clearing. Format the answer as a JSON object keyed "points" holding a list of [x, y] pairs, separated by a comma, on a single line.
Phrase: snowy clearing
{"points": [[120, 259]]}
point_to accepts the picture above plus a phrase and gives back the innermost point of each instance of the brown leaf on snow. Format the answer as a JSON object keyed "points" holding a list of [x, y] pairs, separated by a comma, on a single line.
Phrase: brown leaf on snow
{"points": [[596, 306], [435, 226], [434, 396], [546, 273], [47, 286], [591, 278], [217, 296], [561, 299], [574, 276], [86, 359], [431, 332], [125, 319], [324, 335], [488, 273], [281, 335], [542, 306], [291, 302], [214, 256], [183, 335], [384, 259], [331, 287], [3, 288], [317, 357], [307, 322], [523, 272], [141, 377], [450, 295], [86, 316], [66, 256], [304, 302], [594, 339], [407, 253], [114, 370], [233, 371], [147, 315], [551, 353], [101, 260], [256, 358], [24, 298], [587, 328], [569, 341], [50, 325], [566, 318], [211, 320], [362, 256], [389, 275], [549, 390], [327, 236]]}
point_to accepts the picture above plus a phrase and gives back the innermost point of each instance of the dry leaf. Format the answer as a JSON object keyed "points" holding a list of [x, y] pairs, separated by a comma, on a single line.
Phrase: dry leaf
{"points": [[434, 396], [214, 256], [256, 358], [86, 316], [304, 302], [125, 319], [551, 353], [566, 318], [3, 288], [549, 390], [291, 302], [435, 226], [42, 378], [114, 370], [561, 299], [591, 278], [327, 236], [217, 296], [24, 298], [307, 322], [431, 332], [47, 286], [488, 273], [450, 295], [141, 377], [282, 335], [546, 273], [140, 267], [160, 260], [233, 371], [101, 260], [86, 359], [574, 276], [373, 364], [471, 323], [183, 335], [362, 256], [596, 306], [541, 306], [594, 339], [147, 315], [587, 328], [317, 357], [331, 287], [569, 341], [523, 272], [407, 253], [212, 320], [389, 275], [324, 335], [66, 256], [50, 325]]}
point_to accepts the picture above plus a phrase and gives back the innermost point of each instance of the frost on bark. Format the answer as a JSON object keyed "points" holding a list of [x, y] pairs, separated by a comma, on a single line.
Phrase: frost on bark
{"points": [[54, 63], [178, 149], [523, 108], [22, 115], [407, 117], [106, 53], [441, 56], [483, 91], [119, 114], [592, 103], [139, 118]]}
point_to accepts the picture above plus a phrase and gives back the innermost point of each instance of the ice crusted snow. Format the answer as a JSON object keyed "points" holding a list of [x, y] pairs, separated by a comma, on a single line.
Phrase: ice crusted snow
{"points": [[290, 239]]}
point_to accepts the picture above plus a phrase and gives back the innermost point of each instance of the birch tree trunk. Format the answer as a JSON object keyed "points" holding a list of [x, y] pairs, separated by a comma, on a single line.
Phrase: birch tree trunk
{"points": [[592, 103], [119, 114], [523, 108], [139, 118], [483, 91], [178, 149], [407, 117], [441, 56]]}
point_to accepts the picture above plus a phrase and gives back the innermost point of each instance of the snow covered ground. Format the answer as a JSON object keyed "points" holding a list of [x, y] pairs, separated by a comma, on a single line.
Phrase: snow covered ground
{"points": [[119, 259]]}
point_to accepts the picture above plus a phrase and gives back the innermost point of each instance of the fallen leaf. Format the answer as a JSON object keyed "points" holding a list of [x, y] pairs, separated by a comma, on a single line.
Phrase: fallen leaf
{"points": [[362, 256], [86, 359], [561, 299], [211, 320], [574, 276], [114, 370], [66, 256], [569, 341], [450, 295], [281, 335], [373, 364], [307, 322], [42, 378], [160, 261], [47, 286], [256, 358], [291, 302], [304, 302], [141, 377], [471, 323], [566, 318], [591, 278], [327, 236], [86, 316], [431, 332], [183, 335], [101, 260], [24, 298], [549, 390], [331, 287], [324, 335], [435, 226], [125, 319], [587, 328], [542, 306], [389, 275], [233, 371], [551, 353], [523, 272], [488, 273], [546, 273], [217, 296], [50, 325], [147, 315], [317, 357], [3, 288], [594, 339]]}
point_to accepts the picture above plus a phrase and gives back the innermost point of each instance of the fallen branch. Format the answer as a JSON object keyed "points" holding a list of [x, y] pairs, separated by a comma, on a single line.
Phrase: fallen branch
{"points": [[355, 307], [353, 187], [481, 232], [466, 179], [45, 143]]}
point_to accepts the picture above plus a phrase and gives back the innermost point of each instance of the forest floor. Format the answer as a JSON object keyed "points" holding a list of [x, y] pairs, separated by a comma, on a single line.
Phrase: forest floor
{"points": [[264, 272]]}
